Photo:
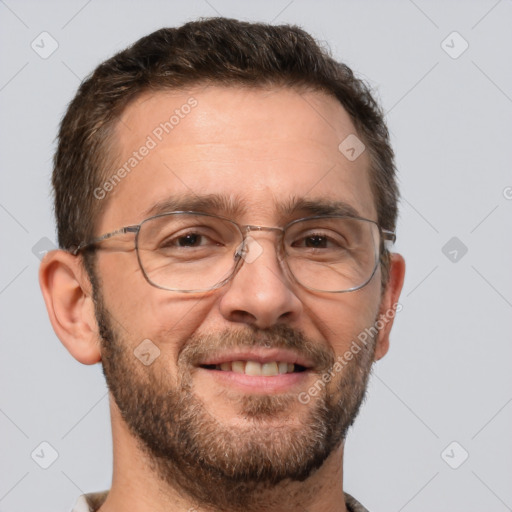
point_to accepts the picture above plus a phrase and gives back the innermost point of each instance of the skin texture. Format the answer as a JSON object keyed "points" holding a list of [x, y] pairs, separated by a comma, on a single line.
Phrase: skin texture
{"points": [[182, 439]]}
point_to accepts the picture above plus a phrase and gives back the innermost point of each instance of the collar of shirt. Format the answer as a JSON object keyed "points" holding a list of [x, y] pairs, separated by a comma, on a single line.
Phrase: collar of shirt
{"points": [[92, 502]]}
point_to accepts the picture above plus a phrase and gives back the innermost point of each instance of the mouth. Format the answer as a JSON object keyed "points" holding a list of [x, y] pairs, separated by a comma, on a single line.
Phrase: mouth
{"points": [[263, 371], [268, 369]]}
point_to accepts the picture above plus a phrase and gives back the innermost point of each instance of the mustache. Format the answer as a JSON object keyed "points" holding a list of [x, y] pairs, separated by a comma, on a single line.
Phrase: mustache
{"points": [[200, 346]]}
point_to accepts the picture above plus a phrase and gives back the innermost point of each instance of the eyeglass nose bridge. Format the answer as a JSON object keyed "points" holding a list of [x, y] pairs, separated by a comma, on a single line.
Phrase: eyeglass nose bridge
{"points": [[249, 227], [241, 250]]}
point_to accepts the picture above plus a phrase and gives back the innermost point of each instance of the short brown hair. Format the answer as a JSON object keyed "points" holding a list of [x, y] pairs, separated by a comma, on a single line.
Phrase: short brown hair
{"points": [[209, 51]]}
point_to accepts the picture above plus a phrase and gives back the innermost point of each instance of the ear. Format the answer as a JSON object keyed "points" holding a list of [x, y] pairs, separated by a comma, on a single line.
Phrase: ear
{"points": [[389, 305], [67, 292]]}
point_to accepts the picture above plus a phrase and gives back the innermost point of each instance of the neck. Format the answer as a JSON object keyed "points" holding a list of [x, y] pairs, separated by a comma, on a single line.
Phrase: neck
{"points": [[137, 487]]}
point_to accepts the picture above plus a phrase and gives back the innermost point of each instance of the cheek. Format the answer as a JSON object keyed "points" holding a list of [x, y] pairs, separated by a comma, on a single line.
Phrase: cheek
{"points": [[142, 311], [173, 318], [341, 319]]}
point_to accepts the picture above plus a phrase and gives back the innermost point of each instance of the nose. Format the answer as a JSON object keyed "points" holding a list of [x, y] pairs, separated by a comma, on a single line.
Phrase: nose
{"points": [[260, 293]]}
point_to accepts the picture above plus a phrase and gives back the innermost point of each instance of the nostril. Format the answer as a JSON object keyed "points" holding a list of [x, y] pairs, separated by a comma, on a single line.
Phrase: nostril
{"points": [[242, 316]]}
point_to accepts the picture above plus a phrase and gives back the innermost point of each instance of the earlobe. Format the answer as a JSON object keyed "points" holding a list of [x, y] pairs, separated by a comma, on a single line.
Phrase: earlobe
{"points": [[390, 305], [67, 293]]}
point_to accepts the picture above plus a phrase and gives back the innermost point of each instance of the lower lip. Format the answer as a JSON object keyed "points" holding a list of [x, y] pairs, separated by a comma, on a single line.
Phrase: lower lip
{"points": [[257, 383]]}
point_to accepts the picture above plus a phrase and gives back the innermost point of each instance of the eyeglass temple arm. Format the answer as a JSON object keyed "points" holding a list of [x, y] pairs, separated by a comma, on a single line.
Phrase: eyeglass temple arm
{"points": [[121, 231], [389, 238]]}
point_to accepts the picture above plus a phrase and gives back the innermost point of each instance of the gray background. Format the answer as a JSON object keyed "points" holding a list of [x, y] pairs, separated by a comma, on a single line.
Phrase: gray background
{"points": [[447, 376]]}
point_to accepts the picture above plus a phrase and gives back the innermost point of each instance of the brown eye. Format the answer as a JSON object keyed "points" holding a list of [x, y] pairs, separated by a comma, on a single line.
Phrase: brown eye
{"points": [[190, 240], [316, 242]]}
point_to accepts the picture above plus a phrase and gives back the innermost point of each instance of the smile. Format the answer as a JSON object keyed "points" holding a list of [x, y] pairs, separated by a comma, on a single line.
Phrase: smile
{"points": [[268, 369]]}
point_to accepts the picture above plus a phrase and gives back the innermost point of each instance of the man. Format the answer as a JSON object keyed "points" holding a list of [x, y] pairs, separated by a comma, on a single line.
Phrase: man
{"points": [[225, 197]]}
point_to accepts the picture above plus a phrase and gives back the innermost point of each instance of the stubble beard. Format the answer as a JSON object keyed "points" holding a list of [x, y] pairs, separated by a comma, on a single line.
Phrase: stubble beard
{"points": [[216, 465]]}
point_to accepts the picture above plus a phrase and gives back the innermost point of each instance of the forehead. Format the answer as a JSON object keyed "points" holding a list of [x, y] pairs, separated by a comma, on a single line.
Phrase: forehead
{"points": [[259, 151]]}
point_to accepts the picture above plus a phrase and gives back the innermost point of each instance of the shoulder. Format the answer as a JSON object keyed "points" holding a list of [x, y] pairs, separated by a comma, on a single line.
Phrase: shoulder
{"points": [[353, 505], [90, 502]]}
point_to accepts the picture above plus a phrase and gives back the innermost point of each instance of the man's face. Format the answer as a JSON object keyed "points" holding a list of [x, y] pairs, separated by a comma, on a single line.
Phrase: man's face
{"points": [[262, 153]]}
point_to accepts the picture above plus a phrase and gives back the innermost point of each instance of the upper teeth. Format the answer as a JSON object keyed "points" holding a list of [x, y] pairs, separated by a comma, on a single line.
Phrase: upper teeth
{"points": [[255, 368]]}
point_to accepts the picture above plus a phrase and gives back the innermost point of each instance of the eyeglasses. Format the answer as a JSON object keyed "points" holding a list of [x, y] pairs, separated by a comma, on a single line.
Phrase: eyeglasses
{"points": [[187, 251]]}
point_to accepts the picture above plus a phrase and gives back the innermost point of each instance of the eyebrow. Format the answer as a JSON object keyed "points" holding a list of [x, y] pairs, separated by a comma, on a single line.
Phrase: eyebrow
{"points": [[209, 203], [233, 207], [317, 206]]}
